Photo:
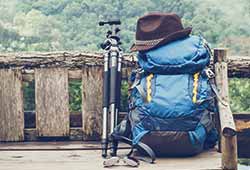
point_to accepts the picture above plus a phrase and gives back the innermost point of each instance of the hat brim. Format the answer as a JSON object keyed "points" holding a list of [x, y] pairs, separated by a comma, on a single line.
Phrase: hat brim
{"points": [[169, 38]]}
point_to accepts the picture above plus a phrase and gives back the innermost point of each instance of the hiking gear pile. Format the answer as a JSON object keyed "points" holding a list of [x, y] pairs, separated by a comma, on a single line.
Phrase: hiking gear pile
{"points": [[171, 101]]}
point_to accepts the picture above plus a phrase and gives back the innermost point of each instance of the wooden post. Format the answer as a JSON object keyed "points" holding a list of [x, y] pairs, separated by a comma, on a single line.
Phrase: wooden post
{"points": [[92, 83], [11, 106], [52, 102], [228, 130]]}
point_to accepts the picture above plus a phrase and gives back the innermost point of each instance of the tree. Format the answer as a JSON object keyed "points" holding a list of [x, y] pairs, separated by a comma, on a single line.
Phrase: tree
{"points": [[51, 25]]}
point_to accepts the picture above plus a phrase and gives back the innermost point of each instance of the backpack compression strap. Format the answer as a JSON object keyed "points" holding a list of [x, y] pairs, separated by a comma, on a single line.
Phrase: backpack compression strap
{"points": [[211, 77], [139, 145]]}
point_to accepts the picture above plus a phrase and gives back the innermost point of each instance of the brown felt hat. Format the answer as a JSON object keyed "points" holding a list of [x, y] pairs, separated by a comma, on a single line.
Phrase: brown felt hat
{"points": [[156, 29]]}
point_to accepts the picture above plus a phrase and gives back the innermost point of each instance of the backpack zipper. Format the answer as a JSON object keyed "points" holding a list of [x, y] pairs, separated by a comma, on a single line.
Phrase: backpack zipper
{"points": [[149, 90], [195, 87]]}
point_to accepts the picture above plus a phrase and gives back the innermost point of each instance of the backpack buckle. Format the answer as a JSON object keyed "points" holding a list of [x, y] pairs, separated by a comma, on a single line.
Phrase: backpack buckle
{"points": [[210, 74], [131, 106]]}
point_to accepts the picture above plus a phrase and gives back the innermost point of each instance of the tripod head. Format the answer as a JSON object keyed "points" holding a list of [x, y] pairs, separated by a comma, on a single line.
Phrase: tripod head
{"points": [[114, 22], [112, 37]]}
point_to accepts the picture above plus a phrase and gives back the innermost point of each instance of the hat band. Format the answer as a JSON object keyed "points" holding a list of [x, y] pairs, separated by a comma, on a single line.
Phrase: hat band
{"points": [[148, 42]]}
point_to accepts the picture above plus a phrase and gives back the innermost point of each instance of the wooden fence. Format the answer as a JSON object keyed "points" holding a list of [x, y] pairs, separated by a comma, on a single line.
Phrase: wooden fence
{"points": [[52, 73]]}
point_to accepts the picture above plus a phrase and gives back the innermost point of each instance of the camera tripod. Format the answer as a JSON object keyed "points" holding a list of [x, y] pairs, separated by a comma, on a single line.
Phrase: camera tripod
{"points": [[111, 85]]}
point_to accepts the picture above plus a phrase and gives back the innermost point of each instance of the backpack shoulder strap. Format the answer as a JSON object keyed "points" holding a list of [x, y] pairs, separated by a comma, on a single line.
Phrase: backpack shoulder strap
{"points": [[137, 84]]}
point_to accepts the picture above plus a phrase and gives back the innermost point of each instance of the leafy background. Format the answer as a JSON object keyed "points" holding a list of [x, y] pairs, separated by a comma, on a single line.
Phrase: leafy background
{"points": [[58, 25]]}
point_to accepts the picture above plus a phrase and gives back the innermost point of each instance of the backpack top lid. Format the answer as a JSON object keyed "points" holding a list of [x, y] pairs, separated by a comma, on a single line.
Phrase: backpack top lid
{"points": [[185, 56]]}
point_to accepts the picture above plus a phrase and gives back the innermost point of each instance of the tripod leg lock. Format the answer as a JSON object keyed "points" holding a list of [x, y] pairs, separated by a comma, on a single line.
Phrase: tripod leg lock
{"points": [[113, 148], [104, 144]]}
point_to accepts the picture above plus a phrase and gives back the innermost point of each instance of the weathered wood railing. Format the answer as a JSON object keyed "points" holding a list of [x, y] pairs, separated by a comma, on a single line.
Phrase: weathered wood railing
{"points": [[52, 73], [228, 140]]}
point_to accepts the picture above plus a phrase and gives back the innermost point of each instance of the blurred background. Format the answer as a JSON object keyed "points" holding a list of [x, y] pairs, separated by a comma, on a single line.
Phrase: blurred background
{"points": [[72, 25]]}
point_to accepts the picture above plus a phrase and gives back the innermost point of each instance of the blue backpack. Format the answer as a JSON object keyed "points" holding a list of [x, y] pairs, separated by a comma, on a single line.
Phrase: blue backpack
{"points": [[171, 100]]}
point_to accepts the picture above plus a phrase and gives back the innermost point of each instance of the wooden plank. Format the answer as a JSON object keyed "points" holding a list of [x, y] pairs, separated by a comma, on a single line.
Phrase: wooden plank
{"points": [[242, 115], [229, 152], [91, 159], [28, 77], [75, 134], [126, 72], [238, 65], [54, 145], [226, 116], [92, 83], [30, 119], [226, 120], [242, 122], [75, 74], [228, 129], [11, 106], [52, 102], [55, 59], [30, 134]]}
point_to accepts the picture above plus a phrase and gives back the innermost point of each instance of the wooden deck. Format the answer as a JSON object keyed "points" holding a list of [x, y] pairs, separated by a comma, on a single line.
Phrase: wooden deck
{"points": [[86, 156]]}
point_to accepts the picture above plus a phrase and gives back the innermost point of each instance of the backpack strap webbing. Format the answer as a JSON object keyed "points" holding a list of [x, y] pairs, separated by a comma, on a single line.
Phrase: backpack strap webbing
{"points": [[139, 145], [141, 91]]}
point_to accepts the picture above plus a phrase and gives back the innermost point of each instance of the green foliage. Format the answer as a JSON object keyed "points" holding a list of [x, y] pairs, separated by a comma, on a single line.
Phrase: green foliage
{"points": [[75, 97], [48, 25], [239, 95], [29, 96], [124, 96], [56, 25]]}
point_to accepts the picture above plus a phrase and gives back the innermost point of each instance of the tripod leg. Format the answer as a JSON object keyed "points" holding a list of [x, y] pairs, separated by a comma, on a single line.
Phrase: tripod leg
{"points": [[118, 93], [104, 141], [118, 87], [113, 95], [113, 142], [105, 133]]}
